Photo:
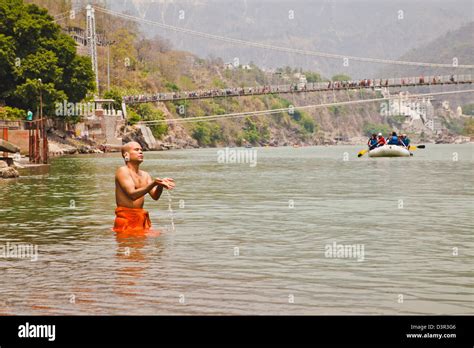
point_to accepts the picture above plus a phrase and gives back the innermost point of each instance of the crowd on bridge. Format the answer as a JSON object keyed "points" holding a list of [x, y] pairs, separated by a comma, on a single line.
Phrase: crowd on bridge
{"points": [[295, 87]]}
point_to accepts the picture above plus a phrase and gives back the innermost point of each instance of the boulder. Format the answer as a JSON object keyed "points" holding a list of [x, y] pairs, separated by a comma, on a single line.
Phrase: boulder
{"points": [[59, 149], [148, 137], [6, 146], [178, 138], [141, 135], [8, 172]]}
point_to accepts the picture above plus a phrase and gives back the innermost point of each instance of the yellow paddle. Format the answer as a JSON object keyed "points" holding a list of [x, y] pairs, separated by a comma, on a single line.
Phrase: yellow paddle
{"points": [[413, 147], [362, 152]]}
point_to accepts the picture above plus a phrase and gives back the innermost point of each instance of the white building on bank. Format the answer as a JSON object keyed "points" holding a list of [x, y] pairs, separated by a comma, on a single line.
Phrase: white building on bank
{"points": [[418, 111]]}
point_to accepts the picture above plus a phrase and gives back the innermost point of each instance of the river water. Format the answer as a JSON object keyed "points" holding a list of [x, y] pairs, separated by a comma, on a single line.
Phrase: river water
{"points": [[247, 238]]}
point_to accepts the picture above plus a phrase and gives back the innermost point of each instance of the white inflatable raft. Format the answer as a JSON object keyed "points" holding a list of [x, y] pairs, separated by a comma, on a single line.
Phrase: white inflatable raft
{"points": [[389, 151]]}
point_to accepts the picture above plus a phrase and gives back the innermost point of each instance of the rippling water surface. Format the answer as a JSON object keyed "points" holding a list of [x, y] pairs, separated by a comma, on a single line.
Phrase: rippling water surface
{"points": [[247, 240]]}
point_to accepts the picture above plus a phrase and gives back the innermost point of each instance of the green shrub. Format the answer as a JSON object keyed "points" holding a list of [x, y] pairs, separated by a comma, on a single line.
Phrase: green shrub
{"points": [[207, 134], [468, 128], [172, 86], [116, 95], [308, 123], [468, 109], [251, 135], [370, 128], [133, 117], [336, 109], [11, 114], [254, 134], [296, 115], [218, 83], [150, 113], [313, 77], [454, 126], [341, 77]]}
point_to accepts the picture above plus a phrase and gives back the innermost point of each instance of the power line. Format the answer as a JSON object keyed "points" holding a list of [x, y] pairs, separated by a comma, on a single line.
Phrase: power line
{"points": [[278, 48], [276, 111]]}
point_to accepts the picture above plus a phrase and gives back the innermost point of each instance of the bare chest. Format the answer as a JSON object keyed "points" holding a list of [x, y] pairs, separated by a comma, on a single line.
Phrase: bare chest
{"points": [[140, 180]]}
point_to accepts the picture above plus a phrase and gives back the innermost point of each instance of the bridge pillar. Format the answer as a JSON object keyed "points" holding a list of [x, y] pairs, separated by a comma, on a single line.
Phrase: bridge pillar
{"points": [[91, 40]]}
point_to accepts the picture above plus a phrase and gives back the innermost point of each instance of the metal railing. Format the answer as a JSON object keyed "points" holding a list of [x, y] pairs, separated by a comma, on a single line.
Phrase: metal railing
{"points": [[300, 87]]}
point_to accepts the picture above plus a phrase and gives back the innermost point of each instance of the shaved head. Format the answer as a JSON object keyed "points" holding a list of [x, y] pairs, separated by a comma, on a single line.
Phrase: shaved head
{"points": [[128, 146], [132, 152]]}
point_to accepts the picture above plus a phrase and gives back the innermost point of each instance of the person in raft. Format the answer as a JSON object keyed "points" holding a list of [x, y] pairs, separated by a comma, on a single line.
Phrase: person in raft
{"points": [[131, 186], [380, 140], [372, 142], [393, 140], [405, 141]]}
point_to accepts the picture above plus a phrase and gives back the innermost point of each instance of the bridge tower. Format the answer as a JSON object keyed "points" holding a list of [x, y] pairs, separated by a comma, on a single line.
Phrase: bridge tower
{"points": [[91, 41]]}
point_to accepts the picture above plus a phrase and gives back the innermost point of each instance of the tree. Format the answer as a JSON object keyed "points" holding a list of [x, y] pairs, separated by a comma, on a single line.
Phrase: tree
{"points": [[116, 95], [313, 77], [370, 128], [33, 47], [469, 127], [341, 77], [253, 133], [149, 113], [202, 133], [133, 117], [308, 123], [11, 114], [7, 62], [207, 133], [28, 96], [468, 109]]}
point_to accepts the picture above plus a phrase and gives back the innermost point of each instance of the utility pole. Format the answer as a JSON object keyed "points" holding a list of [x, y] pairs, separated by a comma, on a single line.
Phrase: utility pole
{"points": [[43, 126], [41, 98], [108, 67], [39, 125]]}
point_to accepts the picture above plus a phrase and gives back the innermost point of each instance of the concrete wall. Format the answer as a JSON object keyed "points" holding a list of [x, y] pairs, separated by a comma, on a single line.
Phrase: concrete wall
{"points": [[20, 139], [110, 127]]}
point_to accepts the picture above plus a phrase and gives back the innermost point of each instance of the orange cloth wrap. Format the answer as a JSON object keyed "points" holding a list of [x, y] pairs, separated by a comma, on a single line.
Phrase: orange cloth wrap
{"points": [[131, 220]]}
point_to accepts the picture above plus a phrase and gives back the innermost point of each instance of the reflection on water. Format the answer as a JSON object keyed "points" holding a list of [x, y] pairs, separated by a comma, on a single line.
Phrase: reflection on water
{"points": [[248, 240]]}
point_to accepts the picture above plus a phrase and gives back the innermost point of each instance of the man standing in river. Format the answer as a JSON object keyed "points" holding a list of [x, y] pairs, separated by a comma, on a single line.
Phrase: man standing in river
{"points": [[131, 186]]}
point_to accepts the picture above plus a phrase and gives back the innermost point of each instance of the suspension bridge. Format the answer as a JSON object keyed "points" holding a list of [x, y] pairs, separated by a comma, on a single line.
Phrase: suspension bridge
{"points": [[375, 84], [90, 39]]}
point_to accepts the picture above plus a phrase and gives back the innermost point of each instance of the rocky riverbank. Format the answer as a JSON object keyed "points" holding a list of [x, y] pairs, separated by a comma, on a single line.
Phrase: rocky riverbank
{"points": [[451, 139], [178, 139], [60, 144], [7, 172]]}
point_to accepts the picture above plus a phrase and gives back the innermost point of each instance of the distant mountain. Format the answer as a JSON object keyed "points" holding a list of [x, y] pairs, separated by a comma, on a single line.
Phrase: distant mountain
{"points": [[457, 44], [367, 28]]}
